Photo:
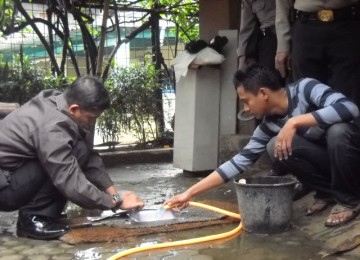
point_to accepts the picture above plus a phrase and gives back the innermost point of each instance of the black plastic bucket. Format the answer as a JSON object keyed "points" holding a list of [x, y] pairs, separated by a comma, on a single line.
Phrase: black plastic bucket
{"points": [[265, 203]]}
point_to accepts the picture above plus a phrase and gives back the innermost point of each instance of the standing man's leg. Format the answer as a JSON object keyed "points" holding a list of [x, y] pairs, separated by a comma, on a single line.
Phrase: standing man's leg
{"points": [[266, 48], [344, 58], [308, 52]]}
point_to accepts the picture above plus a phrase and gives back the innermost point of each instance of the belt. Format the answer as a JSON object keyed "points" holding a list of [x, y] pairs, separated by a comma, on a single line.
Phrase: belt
{"points": [[343, 14], [268, 31]]}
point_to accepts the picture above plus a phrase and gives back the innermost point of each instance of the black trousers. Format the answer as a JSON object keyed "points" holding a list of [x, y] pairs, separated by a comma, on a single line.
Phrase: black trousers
{"points": [[266, 49], [328, 52], [331, 170], [31, 190], [262, 47]]}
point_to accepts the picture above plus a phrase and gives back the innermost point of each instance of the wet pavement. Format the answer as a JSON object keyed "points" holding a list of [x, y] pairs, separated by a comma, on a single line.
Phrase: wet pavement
{"points": [[154, 182]]}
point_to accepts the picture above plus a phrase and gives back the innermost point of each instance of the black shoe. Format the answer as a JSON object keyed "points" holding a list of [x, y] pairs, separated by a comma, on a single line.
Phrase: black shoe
{"points": [[39, 227]]}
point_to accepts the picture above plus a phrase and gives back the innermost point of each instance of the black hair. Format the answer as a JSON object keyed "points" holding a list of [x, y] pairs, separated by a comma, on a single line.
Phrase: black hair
{"points": [[257, 76], [89, 93]]}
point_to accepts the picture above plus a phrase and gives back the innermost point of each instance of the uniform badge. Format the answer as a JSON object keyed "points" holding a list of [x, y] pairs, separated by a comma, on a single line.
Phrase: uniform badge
{"points": [[326, 15]]}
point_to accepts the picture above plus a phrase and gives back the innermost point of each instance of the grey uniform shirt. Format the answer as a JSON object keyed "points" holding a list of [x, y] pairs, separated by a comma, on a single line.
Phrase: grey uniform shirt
{"points": [[282, 16], [251, 11], [41, 130]]}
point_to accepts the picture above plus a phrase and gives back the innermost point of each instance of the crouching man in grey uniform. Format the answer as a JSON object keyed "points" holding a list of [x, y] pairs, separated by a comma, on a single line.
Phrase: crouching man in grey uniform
{"points": [[46, 159]]}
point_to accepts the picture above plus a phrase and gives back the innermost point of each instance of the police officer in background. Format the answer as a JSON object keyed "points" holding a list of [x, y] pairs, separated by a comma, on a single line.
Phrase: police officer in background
{"points": [[321, 38], [257, 36]]}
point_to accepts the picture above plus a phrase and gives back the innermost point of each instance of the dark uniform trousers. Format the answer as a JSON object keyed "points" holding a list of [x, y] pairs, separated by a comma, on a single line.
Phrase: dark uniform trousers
{"points": [[266, 47], [31, 191], [329, 51], [262, 46]]}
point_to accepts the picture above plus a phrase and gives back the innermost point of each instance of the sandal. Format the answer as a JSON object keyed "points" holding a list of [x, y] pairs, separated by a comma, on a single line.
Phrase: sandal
{"points": [[318, 206], [350, 214]]}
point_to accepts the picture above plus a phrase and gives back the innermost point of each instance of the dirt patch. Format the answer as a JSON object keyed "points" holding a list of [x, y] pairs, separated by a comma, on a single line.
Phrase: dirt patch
{"points": [[113, 232]]}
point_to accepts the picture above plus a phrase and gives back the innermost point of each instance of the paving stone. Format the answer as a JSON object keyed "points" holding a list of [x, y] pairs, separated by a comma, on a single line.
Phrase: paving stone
{"points": [[12, 257], [201, 257], [21, 248], [8, 251], [12, 243], [39, 257], [62, 257]]}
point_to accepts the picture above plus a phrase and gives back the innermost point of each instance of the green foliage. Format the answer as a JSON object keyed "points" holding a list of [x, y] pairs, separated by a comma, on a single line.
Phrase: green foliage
{"points": [[6, 13], [133, 103], [22, 79], [185, 14]]}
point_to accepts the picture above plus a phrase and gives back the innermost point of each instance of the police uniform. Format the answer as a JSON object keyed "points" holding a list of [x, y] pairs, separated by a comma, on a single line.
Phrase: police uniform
{"points": [[257, 37], [324, 41]]}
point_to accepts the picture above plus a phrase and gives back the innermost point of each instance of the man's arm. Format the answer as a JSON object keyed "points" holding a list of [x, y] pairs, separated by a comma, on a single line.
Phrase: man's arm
{"points": [[129, 199], [228, 170], [96, 173], [53, 144], [328, 107], [282, 24], [284, 138], [182, 200]]}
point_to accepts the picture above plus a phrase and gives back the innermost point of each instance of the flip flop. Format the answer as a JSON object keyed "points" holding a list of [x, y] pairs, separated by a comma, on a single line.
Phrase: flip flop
{"points": [[340, 209], [318, 206]]}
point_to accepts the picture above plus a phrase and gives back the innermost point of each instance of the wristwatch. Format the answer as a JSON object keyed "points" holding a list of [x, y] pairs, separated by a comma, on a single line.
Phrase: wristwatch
{"points": [[118, 201]]}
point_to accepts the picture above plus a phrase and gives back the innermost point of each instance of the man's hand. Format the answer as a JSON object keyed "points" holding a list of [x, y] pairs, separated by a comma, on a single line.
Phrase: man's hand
{"points": [[286, 135], [130, 201], [283, 62], [284, 140], [179, 201]]}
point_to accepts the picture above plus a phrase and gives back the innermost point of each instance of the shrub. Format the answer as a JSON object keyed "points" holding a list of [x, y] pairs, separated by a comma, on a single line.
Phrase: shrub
{"points": [[22, 79], [132, 91]]}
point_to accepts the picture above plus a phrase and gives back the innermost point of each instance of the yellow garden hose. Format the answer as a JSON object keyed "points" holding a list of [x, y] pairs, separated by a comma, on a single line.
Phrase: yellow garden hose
{"points": [[187, 241]]}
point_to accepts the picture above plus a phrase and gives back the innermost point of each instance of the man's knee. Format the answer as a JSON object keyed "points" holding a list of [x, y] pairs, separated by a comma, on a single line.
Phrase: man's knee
{"points": [[24, 183], [340, 134]]}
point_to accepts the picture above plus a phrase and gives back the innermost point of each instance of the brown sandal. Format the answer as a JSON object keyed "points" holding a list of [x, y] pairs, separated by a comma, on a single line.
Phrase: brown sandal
{"points": [[342, 209], [318, 206]]}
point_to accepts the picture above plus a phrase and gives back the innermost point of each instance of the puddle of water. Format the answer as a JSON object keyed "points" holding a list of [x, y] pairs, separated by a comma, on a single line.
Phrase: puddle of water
{"points": [[88, 254], [165, 180]]}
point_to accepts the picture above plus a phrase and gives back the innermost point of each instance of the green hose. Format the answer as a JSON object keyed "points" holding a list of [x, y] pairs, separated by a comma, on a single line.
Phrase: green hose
{"points": [[187, 241]]}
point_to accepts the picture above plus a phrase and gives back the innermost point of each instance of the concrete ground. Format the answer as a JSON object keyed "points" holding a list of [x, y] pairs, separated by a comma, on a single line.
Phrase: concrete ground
{"points": [[156, 181]]}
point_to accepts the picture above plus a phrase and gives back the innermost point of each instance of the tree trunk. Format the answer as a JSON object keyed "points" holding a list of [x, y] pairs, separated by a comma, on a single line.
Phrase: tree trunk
{"points": [[102, 39], [157, 57]]}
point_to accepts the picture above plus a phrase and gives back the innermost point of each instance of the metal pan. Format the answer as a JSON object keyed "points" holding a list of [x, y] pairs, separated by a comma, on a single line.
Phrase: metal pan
{"points": [[151, 215]]}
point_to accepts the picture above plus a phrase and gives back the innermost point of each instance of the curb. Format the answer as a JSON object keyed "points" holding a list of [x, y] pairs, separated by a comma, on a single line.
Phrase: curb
{"points": [[137, 156]]}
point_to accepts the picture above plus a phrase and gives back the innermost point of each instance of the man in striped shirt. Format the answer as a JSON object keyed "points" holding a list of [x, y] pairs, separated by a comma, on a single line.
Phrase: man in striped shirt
{"points": [[308, 127]]}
